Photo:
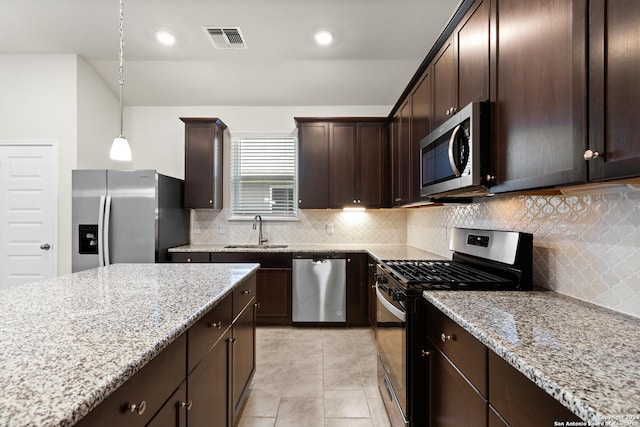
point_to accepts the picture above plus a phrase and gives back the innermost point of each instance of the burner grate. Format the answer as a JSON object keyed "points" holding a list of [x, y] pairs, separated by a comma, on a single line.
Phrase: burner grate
{"points": [[445, 272]]}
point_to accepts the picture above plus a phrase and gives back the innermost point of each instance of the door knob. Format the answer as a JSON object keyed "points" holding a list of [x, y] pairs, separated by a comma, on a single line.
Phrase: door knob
{"points": [[46, 246]]}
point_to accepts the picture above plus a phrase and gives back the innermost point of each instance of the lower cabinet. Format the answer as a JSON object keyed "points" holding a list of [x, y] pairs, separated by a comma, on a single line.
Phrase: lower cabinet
{"points": [[463, 393], [201, 379], [373, 300], [357, 290]]}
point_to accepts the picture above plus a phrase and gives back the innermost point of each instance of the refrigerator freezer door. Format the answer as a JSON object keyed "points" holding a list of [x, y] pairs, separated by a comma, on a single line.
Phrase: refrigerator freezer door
{"points": [[87, 188], [133, 218]]}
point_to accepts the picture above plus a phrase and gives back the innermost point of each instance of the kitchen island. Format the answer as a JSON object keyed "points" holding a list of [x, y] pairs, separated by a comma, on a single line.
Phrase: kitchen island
{"points": [[71, 341], [583, 356]]}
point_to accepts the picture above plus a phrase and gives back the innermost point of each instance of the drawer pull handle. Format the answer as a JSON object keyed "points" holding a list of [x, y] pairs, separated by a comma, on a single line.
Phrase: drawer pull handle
{"points": [[187, 405], [139, 408], [216, 325], [246, 292], [446, 338]]}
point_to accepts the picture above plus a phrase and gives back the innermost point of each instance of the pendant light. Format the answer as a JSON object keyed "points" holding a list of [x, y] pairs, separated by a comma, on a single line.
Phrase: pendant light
{"points": [[120, 149]]}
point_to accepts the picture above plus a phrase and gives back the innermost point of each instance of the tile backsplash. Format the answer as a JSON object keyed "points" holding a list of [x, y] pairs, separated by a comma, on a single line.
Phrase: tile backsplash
{"points": [[321, 226], [585, 246]]}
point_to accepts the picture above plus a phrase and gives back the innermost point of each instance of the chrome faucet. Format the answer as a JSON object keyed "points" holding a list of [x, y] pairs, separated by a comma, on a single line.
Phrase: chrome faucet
{"points": [[257, 223]]}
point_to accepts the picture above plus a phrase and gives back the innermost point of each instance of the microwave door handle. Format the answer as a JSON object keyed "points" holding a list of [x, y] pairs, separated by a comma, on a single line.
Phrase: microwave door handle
{"points": [[101, 232], [452, 160]]}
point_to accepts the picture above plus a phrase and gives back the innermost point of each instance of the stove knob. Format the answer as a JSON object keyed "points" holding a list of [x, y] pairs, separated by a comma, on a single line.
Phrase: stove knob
{"points": [[381, 278]]}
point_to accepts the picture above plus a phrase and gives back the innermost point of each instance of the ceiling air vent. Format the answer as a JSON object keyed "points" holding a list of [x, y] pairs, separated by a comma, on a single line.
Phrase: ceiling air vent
{"points": [[226, 37]]}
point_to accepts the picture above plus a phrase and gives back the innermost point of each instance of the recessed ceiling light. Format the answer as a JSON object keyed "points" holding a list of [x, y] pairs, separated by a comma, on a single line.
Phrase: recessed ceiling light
{"points": [[165, 37], [324, 38]]}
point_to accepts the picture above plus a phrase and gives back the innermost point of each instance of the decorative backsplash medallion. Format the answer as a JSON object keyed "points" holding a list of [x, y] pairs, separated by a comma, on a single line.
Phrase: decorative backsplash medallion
{"points": [[585, 246]]}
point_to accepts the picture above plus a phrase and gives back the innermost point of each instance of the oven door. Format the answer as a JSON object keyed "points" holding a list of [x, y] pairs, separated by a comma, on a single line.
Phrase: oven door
{"points": [[391, 343]]}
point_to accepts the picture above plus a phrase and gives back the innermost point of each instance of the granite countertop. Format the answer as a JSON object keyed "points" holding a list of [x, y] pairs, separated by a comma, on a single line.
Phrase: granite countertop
{"points": [[585, 356], [68, 342], [378, 251]]}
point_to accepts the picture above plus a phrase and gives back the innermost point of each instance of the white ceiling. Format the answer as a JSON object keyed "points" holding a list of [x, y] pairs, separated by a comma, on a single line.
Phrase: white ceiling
{"points": [[379, 45]]}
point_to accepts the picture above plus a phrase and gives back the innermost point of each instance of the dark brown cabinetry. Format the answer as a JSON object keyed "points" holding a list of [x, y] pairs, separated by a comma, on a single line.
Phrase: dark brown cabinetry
{"points": [[539, 93], [614, 89], [444, 83], [469, 385], [357, 290], [356, 167], [421, 120], [190, 257], [373, 300], [313, 164], [401, 184], [342, 162], [203, 162], [273, 283], [243, 352]]}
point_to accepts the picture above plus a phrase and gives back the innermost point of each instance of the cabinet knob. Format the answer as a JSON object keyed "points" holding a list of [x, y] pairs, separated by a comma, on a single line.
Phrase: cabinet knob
{"points": [[425, 353], [188, 259], [590, 155], [216, 325], [246, 292], [187, 405], [445, 338], [354, 201], [139, 408], [210, 202], [489, 178], [257, 305], [300, 201]]}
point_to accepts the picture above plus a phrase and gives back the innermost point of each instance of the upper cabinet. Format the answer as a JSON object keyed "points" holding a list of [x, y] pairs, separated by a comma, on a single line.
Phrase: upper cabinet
{"points": [[613, 150], [460, 69], [401, 155], [342, 162], [204, 139], [313, 164], [539, 93]]}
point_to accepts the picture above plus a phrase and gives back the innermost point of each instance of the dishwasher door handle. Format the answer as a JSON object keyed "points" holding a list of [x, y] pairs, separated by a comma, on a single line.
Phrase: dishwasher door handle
{"points": [[319, 261]]}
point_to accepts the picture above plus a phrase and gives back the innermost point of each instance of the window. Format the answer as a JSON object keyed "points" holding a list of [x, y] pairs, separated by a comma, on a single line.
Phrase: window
{"points": [[263, 177]]}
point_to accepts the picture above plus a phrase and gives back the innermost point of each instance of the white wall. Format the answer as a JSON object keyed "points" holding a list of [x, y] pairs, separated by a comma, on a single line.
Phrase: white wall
{"points": [[98, 120], [156, 134], [38, 101]]}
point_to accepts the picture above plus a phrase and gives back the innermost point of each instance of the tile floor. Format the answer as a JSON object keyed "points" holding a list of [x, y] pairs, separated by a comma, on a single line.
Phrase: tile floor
{"points": [[314, 377]]}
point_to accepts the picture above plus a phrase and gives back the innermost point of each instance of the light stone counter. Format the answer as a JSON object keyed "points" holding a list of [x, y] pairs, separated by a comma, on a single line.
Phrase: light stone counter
{"points": [[68, 342], [586, 357], [379, 252]]}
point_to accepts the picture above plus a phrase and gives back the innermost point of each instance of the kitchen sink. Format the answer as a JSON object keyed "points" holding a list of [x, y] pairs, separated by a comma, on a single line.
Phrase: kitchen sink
{"points": [[255, 246]]}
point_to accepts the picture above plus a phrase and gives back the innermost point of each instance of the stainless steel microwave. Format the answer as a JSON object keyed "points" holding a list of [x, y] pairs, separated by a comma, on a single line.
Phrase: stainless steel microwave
{"points": [[454, 157]]}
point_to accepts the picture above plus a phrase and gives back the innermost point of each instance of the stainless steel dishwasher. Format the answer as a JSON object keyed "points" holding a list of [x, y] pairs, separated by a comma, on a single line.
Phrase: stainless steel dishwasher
{"points": [[319, 288]]}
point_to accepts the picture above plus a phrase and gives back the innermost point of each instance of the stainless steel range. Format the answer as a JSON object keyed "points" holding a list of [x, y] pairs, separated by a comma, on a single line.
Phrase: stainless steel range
{"points": [[482, 260]]}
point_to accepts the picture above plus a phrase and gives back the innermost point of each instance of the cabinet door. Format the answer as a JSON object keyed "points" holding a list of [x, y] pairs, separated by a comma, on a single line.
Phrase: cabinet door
{"points": [[373, 306], [190, 257], [444, 83], [174, 412], [540, 94], [472, 54], [421, 118], [273, 288], [454, 402], [357, 290], [203, 163], [342, 165], [243, 356], [208, 384], [614, 121], [401, 156], [313, 165], [370, 164]]}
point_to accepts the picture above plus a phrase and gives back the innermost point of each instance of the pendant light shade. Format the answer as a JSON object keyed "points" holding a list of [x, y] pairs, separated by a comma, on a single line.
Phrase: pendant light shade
{"points": [[120, 149]]}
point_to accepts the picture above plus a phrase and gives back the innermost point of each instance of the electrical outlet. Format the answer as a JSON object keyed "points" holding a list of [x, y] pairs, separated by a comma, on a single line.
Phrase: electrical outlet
{"points": [[221, 229], [329, 228], [444, 233]]}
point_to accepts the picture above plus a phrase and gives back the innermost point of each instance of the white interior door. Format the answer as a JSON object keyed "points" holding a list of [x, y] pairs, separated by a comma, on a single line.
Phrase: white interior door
{"points": [[27, 212]]}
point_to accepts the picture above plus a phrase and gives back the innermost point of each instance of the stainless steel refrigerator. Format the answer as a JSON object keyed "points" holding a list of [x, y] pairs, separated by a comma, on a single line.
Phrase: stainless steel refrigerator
{"points": [[126, 217]]}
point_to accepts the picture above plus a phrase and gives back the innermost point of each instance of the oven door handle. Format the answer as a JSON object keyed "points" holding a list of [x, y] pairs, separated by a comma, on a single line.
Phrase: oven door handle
{"points": [[390, 307]]}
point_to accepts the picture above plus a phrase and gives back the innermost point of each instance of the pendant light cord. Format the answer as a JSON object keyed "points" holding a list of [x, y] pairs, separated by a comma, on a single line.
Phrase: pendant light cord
{"points": [[121, 70]]}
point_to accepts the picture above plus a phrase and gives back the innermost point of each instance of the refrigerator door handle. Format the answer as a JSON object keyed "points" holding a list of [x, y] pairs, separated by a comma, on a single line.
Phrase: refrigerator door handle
{"points": [[107, 215], [100, 232]]}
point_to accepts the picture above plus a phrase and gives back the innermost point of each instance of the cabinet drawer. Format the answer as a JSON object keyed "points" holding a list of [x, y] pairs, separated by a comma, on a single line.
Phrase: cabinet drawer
{"points": [[519, 400], [204, 334], [153, 385], [190, 257], [265, 259], [466, 352], [243, 295]]}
